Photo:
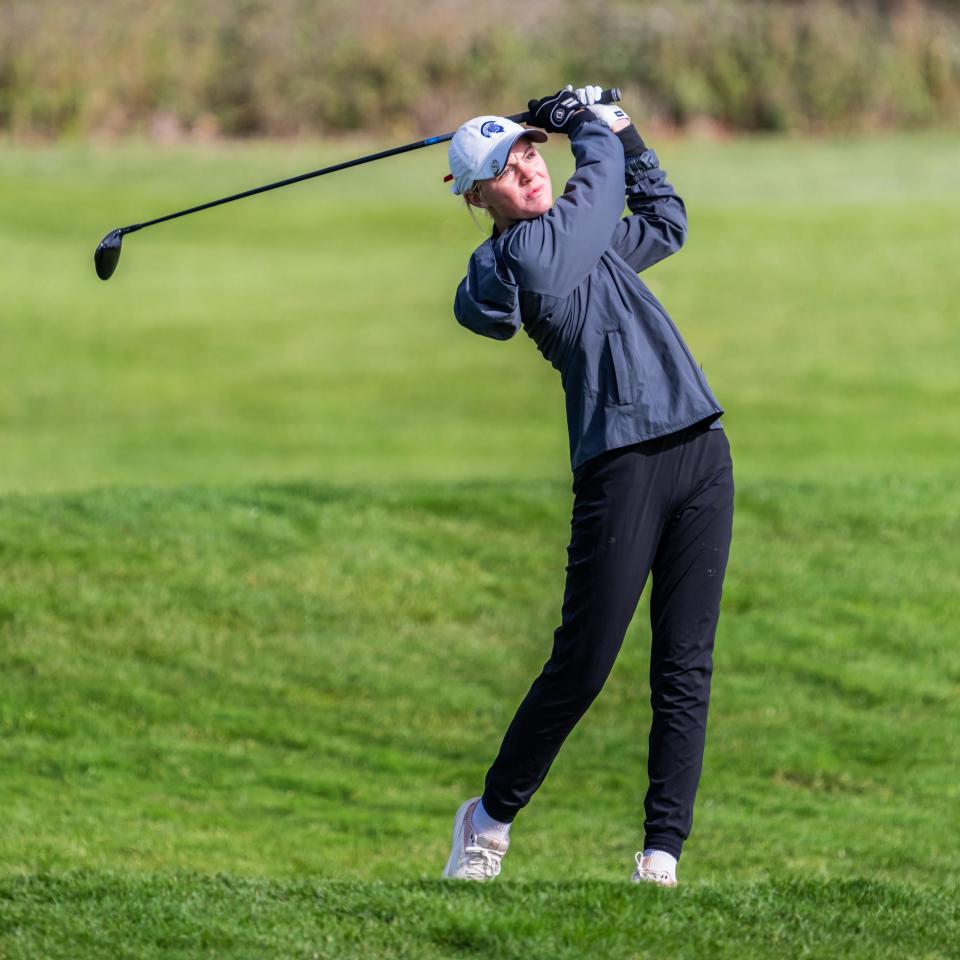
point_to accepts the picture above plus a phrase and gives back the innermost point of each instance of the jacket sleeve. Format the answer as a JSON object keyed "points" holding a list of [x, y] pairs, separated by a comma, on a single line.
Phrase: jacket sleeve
{"points": [[552, 253], [657, 225], [487, 301]]}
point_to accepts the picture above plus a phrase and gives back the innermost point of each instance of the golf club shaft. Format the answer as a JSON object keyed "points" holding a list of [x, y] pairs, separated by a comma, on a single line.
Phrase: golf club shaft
{"points": [[608, 96]]}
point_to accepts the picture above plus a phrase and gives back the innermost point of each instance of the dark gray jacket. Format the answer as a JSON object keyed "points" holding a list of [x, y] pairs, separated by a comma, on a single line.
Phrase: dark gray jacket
{"points": [[570, 278]]}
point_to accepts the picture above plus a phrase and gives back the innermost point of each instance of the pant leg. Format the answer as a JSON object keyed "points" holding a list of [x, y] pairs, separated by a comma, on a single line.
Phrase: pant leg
{"points": [[688, 572], [619, 507]]}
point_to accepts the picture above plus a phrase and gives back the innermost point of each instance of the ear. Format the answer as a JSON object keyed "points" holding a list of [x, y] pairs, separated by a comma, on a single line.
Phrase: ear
{"points": [[475, 198]]}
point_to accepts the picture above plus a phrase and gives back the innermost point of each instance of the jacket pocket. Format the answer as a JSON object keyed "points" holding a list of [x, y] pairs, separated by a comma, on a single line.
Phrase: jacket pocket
{"points": [[623, 385]]}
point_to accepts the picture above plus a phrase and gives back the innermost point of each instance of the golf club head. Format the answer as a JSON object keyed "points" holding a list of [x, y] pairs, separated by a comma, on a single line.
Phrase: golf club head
{"points": [[107, 254]]}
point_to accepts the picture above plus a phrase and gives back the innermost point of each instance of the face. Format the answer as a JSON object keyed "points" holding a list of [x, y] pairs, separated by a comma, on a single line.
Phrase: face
{"points": [[522, 191]]}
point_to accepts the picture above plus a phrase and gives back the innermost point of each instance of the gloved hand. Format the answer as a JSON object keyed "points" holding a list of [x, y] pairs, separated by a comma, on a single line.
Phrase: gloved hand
{"points": [[588, 95], [608, 113], [555, 113]]}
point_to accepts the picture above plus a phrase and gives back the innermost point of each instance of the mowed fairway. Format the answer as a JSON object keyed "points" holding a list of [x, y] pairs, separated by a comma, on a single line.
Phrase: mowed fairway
{"points": [[282, 547]]}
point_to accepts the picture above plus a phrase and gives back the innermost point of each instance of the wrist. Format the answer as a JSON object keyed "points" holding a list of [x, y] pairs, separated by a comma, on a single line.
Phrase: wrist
{"points": [[577, 121], [632, 141]]}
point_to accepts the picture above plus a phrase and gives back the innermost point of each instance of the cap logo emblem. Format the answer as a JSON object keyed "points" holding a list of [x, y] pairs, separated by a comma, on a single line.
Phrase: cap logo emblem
{"points": [[489, 128], [495, 166]]}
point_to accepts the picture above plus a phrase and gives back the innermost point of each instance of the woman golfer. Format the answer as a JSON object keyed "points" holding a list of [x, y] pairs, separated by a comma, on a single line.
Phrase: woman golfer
{"points": [[652, 476]]}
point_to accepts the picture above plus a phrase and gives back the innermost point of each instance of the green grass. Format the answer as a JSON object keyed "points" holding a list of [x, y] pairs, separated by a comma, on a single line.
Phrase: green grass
{"points": [[119, 917], [309, 332], [283, 547], [302, 681], [297, 680]]}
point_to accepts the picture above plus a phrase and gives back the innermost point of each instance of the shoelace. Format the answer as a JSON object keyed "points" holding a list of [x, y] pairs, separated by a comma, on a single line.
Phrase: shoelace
{"points": [[481, 863], [658, 876]]}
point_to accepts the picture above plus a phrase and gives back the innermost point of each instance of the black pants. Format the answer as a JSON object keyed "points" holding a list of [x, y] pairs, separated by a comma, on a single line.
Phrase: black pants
{"points": [[665, 505]]}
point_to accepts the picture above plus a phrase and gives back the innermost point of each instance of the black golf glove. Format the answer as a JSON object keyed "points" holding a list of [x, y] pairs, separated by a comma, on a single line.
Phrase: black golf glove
{"points": [[561, 112]]}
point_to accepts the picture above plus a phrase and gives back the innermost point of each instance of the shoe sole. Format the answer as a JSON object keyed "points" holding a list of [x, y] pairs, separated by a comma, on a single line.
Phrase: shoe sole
{"points": [[636, 879], [452, 861]]}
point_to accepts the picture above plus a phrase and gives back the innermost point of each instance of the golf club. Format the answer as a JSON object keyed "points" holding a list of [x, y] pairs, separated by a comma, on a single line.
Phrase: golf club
{"points": [[107, 254]]}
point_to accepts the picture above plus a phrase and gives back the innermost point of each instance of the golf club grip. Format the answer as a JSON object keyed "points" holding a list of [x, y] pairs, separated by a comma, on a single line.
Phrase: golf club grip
{"points": [[606, 96]]}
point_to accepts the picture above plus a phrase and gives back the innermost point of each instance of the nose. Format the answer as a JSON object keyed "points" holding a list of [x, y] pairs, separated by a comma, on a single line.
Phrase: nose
{"points": [[525, 168]]}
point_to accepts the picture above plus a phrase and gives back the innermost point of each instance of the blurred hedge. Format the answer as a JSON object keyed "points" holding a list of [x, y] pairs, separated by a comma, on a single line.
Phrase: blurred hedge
{"points": [[253, 67]]}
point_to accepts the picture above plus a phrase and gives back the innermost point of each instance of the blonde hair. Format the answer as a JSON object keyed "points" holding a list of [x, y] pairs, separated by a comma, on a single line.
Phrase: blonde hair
{"points": [[475, 188]]}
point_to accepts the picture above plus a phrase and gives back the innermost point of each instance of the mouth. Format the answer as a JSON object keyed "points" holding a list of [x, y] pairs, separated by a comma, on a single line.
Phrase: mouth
{"points": [[533, 194]]}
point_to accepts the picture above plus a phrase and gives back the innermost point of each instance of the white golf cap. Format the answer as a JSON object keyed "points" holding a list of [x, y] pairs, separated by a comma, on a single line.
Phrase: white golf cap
{"points": [[479, 149]]}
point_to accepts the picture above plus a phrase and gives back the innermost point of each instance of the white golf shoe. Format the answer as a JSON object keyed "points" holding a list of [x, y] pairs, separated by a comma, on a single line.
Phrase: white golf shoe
{"points": [[473, 856], [657, 868]]}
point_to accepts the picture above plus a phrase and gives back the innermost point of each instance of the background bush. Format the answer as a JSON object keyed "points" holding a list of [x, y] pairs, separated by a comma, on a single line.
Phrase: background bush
{"points": [[286, 67]]}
